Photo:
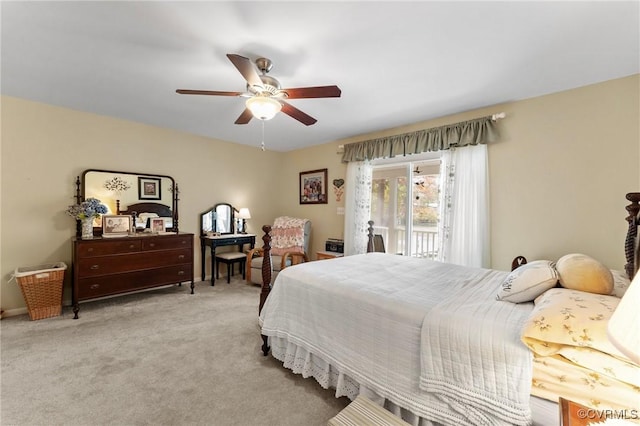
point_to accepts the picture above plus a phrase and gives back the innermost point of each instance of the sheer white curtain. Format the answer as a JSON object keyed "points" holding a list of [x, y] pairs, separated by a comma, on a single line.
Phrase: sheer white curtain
{"points": [[464, 207], [357, 207]]}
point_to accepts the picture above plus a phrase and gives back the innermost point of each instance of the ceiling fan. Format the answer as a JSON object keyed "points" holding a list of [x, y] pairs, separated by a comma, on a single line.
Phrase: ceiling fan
{"points": [[265, 96]]}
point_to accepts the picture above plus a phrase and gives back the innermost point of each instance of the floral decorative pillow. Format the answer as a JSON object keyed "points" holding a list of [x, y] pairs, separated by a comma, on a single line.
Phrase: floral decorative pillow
{"points": [[567, 333], [528, 281], [570, 317]]}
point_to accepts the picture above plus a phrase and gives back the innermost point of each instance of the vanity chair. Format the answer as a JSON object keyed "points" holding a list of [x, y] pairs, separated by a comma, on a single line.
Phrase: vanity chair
{"points": [[289, 245], [230, 258]]}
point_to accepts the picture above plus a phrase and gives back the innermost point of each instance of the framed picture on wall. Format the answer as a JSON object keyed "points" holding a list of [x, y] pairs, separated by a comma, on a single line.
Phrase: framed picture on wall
{"points": [[313, 187], [149, 188]]}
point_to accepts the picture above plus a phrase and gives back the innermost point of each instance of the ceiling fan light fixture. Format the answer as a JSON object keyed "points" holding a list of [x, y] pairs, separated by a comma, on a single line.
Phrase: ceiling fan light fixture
{"points": [[263, 107]]}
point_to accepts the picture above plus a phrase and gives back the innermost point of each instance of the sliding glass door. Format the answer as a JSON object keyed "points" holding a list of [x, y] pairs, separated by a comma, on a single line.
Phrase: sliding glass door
{"points": [[404, 206]]}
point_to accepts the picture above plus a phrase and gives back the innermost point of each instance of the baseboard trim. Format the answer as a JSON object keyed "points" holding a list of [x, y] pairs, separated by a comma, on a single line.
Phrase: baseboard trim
{"points": [[14, 312], [67, 303]]}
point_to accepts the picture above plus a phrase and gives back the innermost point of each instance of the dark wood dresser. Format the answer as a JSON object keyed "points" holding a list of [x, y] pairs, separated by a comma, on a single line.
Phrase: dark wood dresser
{"points": [[108, 266]]}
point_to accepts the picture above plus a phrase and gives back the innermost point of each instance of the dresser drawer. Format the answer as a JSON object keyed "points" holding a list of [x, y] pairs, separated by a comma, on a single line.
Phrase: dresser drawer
{"points": [[103, 265], [163, 243], [101, 247], [120, 283], [233, 241]]}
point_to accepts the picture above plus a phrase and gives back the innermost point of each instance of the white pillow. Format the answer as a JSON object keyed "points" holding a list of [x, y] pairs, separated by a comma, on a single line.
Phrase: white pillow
{"points": [[580, 272], [621, 283], [528, 281], [145, 216]]}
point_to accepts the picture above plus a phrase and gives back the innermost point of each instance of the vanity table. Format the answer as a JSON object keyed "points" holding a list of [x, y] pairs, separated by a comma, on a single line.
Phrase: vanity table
{"points": [[223, 240]]}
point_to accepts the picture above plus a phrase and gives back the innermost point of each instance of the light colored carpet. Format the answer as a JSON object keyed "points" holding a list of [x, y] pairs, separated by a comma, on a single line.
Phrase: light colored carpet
{"points": [[164, 357]]}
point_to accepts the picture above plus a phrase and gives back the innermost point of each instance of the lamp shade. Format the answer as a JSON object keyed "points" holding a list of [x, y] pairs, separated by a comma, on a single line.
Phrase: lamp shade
{"points": [[263, 107], [244, 213], [624, 325]]}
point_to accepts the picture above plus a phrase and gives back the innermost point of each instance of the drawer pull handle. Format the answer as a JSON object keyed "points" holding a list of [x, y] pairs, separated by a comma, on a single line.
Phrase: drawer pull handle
{"points": [[131, 246], [181, 256], [180, 272], [184, 242], [90, 249], [94, 286], [95, 267], [152, 245]]}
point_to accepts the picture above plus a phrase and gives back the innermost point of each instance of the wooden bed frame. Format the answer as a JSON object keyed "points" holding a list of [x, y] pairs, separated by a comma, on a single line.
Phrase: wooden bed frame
{"points": [[160, 209], [631, 246], [631, 242]]}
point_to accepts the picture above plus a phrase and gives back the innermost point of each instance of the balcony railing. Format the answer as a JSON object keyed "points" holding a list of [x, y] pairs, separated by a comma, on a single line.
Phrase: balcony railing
{"points": [[424, 240]]}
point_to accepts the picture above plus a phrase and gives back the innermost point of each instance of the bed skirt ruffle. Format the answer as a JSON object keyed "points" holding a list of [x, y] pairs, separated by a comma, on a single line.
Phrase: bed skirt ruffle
{"points": [[300, 361]]}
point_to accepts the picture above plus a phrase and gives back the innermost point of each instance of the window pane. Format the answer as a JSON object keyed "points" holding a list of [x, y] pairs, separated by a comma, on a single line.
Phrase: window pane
{"points": [[401, 218], [380, 208], [424, 234]]}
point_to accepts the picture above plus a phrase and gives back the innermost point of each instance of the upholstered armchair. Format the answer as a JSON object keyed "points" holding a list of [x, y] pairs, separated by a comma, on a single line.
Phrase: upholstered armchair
{"points": [[289, 246]]}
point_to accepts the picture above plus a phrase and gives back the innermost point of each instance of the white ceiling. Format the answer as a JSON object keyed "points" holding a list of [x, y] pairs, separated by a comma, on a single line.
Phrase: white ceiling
{"points": [[396, 62]]}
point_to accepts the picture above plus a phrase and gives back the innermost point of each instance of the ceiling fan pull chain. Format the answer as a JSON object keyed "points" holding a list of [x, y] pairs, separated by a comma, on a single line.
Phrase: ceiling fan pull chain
{"points": [[262, 145]]}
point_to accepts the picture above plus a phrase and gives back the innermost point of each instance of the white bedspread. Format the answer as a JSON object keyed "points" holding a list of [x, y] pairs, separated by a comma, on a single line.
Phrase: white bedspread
{"points": [[471, 356], [364, 316]]}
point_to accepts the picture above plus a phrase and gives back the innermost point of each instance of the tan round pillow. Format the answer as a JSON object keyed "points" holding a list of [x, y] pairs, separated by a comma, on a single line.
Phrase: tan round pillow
{"points": [[581, 272]]}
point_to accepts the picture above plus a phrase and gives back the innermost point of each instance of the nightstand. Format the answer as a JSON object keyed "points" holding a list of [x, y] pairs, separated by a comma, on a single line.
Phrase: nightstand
{"points": [[328, 255]]}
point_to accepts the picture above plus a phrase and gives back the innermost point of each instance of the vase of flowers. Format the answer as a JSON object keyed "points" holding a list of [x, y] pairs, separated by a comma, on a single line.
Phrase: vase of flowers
{"points": [[86, 212]]}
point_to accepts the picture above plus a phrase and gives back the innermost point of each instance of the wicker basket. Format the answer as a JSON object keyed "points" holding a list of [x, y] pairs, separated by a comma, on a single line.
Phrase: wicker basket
{"points": [[42, 289]]}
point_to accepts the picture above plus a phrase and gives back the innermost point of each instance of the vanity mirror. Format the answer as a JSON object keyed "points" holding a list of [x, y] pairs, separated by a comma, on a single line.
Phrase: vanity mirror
{"points": [[126, 192], [218, 219]]}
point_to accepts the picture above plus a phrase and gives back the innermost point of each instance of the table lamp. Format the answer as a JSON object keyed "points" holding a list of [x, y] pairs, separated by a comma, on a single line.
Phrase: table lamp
{"points": [[243, 215]]}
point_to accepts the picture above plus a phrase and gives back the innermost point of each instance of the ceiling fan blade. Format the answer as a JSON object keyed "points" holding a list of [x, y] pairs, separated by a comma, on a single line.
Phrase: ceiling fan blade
{"points": [[245, 117], [246, 68], [313, 92], [294, 112], [207, 92]]}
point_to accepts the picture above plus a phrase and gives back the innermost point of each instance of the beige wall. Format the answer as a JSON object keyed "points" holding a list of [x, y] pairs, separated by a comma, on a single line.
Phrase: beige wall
{"points": [[325, 220], [558, 176], [44, 148]]}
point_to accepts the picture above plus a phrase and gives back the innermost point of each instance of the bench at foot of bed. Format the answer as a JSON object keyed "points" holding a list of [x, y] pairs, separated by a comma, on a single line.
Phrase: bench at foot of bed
{"points": [[363, 411]]}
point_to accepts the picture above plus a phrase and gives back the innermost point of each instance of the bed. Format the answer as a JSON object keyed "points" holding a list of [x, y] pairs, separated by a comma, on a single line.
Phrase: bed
{"points": [[145, 211], [448, 353]]}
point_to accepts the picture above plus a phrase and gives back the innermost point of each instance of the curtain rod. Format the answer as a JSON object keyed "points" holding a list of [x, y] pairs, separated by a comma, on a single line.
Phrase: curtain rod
{"points": [[496, 117]]}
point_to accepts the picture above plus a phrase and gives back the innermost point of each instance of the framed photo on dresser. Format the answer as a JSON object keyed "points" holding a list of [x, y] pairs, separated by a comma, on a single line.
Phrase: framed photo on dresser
{"points": [[116, 225], [157, 225]]}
